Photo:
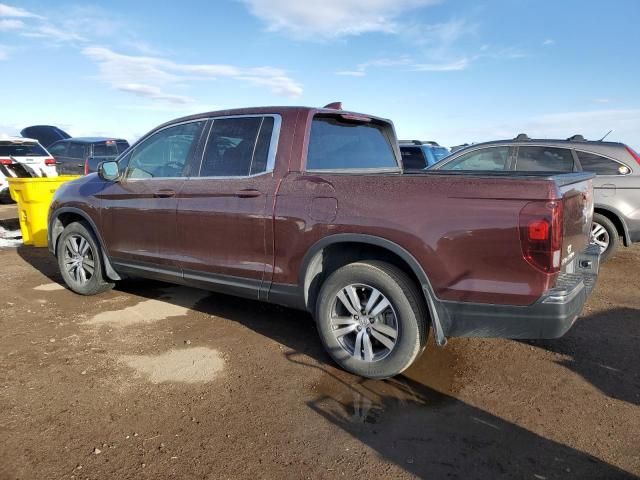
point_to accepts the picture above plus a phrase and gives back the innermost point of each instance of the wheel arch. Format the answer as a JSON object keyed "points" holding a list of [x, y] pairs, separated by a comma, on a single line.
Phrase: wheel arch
{"points": [[334, 251], [616, 218], [66, 215]]}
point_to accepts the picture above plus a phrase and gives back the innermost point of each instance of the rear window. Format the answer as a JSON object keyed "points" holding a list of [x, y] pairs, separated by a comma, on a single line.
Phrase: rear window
{"points": [[22, 150], [439, 153], [544, 159], [338, 144], [413, 158], [105, 149], [600, 165], [122, 146]]}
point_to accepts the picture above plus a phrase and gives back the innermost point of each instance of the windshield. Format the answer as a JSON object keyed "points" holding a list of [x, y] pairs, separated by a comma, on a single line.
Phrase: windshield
{"points": [[22, 150]]}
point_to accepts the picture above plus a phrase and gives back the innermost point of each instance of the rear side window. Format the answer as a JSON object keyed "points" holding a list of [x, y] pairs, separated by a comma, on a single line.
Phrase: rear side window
{"points": [[600, 165], [337, 144], [22, 150], [76, 150], [413, 158], [487, 159], [544, 159], [237, 147]]}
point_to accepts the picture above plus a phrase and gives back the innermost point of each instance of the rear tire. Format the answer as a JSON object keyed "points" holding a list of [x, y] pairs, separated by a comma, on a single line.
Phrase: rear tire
{"points": [[357, 328], [80, 260], [605, 234]]}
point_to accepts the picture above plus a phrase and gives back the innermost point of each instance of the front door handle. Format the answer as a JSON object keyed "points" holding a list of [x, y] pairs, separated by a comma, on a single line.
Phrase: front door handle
{"points": [[165, 193], [248, 193]]}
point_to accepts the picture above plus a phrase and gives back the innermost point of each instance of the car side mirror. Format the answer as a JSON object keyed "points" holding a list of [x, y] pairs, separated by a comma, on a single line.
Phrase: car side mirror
{"points": [[109, 171]]}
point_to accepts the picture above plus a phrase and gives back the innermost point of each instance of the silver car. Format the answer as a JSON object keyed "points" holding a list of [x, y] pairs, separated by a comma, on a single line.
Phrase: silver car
{"points": [[616, 186]]}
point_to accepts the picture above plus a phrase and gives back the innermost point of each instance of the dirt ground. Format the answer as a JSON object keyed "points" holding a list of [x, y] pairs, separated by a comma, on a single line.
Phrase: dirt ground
{"points": [[153, 381]]}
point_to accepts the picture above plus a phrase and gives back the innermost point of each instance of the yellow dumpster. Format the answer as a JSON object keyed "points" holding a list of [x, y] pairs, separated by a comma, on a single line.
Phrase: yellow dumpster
{"points": [[34, 195]]}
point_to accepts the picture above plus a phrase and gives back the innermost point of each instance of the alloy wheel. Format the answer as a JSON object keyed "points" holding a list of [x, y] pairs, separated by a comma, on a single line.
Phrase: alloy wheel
{"points": [[600, 236], [364, 322], [79, 259]]}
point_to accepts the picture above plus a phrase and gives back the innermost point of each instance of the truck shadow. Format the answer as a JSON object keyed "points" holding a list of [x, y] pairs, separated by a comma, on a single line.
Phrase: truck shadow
{"points": [[603, 349], [430, 434]]}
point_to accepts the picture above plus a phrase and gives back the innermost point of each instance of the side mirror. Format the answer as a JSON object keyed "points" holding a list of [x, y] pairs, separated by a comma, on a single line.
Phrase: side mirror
{"points": [[109, 171]]}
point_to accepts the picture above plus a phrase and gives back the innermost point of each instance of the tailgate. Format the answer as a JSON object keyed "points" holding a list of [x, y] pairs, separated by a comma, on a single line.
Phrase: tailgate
{"points": [[577, 204]]}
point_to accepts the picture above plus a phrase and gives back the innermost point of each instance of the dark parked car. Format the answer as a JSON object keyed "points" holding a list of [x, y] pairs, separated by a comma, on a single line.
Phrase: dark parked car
{"points": [[310, 208], [45, 134], [419, 155], [81, 155], [616, 186]]}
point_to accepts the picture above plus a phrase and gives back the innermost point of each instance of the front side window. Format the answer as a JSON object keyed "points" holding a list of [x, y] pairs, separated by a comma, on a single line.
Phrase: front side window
{"points": [[165, 154], [237, 147], [413, 158], [600, 165], [544, 159], [486, 159], [340, 144]]}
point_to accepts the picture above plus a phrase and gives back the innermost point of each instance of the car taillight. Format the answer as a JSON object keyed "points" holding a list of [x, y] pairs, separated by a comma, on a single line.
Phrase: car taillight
{"points": [[634, 154], [5, 161], [86, 167], [49, 161], [541, 225]]}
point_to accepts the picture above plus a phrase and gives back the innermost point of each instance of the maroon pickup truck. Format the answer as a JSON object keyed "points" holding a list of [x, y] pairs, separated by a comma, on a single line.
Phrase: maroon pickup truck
{"points": [[310, 208]]}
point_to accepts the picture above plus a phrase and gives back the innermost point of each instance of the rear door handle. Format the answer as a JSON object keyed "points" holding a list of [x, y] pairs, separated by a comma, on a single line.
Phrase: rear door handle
{"points": [[165, 193], [248, 193]]}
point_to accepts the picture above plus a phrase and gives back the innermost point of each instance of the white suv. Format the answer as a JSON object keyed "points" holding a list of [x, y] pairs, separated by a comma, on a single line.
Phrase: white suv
{"points": [[26, 154]]}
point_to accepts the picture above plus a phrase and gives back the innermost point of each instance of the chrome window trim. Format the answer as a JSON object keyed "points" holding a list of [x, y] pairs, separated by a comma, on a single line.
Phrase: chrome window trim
{"points": [[273, 146]]}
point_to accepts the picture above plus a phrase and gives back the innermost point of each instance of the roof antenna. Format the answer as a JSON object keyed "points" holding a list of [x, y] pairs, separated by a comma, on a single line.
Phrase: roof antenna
{"points": [[605, 135]]}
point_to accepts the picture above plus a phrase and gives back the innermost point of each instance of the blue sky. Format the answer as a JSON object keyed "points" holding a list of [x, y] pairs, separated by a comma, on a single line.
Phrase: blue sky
{"points": [[451, 70]]}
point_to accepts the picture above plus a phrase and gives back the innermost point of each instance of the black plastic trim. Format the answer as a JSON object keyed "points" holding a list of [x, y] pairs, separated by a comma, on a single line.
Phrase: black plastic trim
{"points": [[627, 237]]}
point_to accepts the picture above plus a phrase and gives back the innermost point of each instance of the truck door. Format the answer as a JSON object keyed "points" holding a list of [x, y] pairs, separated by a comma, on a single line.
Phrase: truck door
{"points": [[225, 209]]}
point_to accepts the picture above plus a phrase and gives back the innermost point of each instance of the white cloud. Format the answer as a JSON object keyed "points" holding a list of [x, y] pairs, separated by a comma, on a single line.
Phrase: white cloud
{"points": [[548, 42], [407, 63], [332, 18], [453, 66], [148, 76], [15, 12], [10, 24], [52, 33]]}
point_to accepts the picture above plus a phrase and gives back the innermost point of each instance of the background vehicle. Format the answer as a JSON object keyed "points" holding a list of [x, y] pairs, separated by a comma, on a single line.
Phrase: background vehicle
{"points": [[420, 155], [310, 208], [616, 186], [81, 155], [29, 155], [45, 134]]}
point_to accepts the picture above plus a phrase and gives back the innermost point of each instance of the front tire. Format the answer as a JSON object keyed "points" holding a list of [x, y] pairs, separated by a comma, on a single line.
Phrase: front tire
{"points": [[605, 234], [80, 260], [371, 319]]}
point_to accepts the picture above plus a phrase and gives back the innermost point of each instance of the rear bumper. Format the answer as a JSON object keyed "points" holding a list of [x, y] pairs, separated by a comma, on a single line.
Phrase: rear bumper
{"points": [[550, 317]]}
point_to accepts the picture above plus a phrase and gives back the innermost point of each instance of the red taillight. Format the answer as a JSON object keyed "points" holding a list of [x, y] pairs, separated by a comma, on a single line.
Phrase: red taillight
{"points": [[86, 167], [5, 161], [634, 154], [541, 234], [49, 161]]}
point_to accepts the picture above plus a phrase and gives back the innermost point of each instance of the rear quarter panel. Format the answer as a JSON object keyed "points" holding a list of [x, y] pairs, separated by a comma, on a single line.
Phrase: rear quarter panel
{"points": [[462, 230]]}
